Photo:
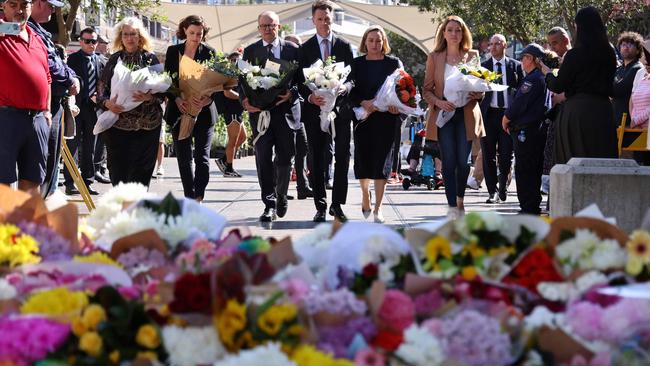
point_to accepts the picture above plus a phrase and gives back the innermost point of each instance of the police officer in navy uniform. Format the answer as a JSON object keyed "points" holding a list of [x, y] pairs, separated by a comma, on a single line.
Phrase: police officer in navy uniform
{"points": [[523, 121]]}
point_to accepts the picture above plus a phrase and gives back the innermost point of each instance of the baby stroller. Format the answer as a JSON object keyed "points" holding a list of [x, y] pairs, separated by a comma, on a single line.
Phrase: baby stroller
{"points": [[424, 173]]}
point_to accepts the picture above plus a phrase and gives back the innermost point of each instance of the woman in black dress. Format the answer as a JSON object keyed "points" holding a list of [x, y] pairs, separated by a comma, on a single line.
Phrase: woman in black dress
{"points": [[585, 126], [373, 137], [194, 30]]}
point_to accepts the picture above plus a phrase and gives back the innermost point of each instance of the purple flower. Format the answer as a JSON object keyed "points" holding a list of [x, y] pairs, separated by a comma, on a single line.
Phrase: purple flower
{"points": [[341, 302], [52, 246], [141, 256], [336, 339], [428, 302], [24, 340], [475, 339]]}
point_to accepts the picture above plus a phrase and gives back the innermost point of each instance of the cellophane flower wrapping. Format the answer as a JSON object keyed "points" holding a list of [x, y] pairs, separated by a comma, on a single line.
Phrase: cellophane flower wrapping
{"points": [[387, 96], [461, 81], [324, 80], [124, 83]]}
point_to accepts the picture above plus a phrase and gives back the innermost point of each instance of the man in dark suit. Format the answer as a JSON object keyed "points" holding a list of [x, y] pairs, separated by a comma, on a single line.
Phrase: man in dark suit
{"points": [[492, 107], [274, 174], [321, 46], [88, 67]]}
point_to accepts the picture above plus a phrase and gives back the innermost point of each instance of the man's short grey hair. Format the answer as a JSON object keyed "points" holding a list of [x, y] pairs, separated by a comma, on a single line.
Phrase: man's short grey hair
{"points": [[268, 13], [500, 36], [558, 30]]}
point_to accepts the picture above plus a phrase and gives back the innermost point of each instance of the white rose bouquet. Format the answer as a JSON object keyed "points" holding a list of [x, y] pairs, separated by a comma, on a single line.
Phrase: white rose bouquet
{"points": [[324, 80]]}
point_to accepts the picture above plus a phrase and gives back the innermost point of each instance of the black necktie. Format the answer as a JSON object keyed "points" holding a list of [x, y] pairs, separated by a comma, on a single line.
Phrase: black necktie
{"points": [[270, 51], [92, 77], [501, 100]]}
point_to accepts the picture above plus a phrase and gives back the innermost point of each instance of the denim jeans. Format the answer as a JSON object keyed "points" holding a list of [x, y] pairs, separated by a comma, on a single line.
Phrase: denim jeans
{"points": [[455, 152]]}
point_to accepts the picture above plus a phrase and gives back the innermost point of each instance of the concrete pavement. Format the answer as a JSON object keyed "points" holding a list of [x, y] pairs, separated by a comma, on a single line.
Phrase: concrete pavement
{"points": [[239, 200]]}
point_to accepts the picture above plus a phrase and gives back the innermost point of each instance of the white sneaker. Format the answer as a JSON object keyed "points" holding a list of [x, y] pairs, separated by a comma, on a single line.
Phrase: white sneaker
{"points": [[160, 171], [472, 183]]}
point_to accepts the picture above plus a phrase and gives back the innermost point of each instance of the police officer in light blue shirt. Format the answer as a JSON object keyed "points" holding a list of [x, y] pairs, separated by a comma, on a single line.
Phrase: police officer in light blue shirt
{"points": [[523, 121]]}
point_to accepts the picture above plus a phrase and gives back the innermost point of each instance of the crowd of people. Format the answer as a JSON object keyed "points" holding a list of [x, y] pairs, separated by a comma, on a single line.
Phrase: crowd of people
{"points": [[559, 103]]}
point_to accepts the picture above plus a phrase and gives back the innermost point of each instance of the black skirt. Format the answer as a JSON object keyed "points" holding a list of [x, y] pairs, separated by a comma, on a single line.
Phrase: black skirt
{"points": [[374, 140], [585, 128]]}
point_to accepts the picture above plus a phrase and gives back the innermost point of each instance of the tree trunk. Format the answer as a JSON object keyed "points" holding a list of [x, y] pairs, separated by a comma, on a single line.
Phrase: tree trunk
{"points": [[65, 25]]}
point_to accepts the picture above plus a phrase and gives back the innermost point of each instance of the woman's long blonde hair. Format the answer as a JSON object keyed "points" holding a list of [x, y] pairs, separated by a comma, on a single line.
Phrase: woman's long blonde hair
{"points": [[441, 42], [135, 23]]}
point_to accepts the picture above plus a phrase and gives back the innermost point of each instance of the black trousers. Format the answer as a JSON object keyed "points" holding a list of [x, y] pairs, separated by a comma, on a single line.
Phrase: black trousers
{"points": [[194, 182], [274, 173], [83, 144], [319, 144], [100, 153], [496, 140], [131, 155], [529, 155], [303, 159], [53, 148]]}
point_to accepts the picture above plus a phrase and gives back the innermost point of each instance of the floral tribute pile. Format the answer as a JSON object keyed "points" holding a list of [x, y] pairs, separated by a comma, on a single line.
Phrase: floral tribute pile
{"points": [[156, 281]]}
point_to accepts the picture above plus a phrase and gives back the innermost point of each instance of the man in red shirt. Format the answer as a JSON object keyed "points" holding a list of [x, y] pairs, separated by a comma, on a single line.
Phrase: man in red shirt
{"points": [[24, 101]]}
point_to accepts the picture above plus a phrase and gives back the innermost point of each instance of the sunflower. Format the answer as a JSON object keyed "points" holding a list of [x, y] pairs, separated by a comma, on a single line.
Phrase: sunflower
{"points": [[436, 247]]}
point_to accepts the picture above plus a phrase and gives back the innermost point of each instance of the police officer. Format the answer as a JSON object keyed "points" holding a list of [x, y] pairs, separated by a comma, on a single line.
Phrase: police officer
{"points": [[523, 121]]}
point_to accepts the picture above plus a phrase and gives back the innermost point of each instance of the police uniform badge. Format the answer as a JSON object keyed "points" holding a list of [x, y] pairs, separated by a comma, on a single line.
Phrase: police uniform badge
{"points": [[526, 87]]}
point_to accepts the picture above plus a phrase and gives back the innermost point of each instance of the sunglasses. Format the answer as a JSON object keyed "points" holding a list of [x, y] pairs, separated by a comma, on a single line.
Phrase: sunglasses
{"points": [[89, 41]]}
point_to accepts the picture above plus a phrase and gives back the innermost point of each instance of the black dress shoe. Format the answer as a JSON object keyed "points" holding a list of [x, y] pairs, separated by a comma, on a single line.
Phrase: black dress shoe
{"points": [[282, 205], [305, 194], [290, 197], [492, 198], [268, 215], [71, 191], [101, 178], [92, 190], [320, 216], [337, 211], [503, 196]]}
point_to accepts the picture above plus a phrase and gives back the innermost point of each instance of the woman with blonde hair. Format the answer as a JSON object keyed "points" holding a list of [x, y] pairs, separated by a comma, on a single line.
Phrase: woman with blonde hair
{"points": [[453, 47], [373, 137], [132, 142]]}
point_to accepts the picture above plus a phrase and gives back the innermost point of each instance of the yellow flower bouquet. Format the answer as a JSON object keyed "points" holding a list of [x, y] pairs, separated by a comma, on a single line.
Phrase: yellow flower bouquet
{"points": [[17, 248]]}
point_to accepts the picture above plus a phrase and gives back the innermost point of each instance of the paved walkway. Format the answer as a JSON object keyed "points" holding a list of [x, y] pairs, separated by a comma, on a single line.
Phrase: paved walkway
{"points": [[239, 200]]}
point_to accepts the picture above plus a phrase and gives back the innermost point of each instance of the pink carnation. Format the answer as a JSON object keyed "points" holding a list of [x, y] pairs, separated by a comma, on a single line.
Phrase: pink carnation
{"points": [[369, 357], [586, 319], [434, 326], [397, 312], [296, 289]]}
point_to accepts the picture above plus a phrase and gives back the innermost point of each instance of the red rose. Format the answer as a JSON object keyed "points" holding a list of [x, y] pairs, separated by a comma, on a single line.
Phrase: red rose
{"points": [[387, 340], [370, 271]]}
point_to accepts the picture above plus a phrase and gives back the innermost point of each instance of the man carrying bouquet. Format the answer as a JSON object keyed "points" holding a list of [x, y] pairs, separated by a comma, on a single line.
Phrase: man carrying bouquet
{"points": [[322, 45], [273, 173]]}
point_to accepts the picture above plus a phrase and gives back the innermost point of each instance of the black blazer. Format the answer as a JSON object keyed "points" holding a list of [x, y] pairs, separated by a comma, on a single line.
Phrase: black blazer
{"points": [[310, 52], [172, 60], [256, 54], [514, 74], [77, 62]]}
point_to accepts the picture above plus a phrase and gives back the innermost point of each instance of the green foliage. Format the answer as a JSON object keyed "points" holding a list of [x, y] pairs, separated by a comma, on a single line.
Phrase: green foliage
{"points": [[169, 206], [529, 20]]}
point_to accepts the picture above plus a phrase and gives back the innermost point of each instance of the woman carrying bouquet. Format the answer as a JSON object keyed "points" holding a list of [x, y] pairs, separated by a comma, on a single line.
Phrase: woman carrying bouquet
{"points": [[453, 47], [132, 142], [374, 136], [193, 30]]}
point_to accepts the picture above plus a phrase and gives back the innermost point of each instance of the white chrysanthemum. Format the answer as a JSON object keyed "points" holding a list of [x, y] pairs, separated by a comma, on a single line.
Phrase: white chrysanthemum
{"points": [[7, 290], [589, 280], [542, 316], [103, 213], [420, 348], [312, 248], [125, 192], [556, 291], [127, 223], [386, 274], [191, 225], [268, 355], [609, 255], [192, 346]]}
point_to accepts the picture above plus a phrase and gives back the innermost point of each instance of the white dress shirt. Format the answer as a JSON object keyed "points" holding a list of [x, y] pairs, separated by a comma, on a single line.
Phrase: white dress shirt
{"points": [[504, 80]]}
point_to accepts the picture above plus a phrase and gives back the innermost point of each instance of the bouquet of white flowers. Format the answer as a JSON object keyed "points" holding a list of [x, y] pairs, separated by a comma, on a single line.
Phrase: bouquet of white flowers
{"points": [[124, 83], [466, 78], [324, 80], [398, 90], [263, 85]]}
